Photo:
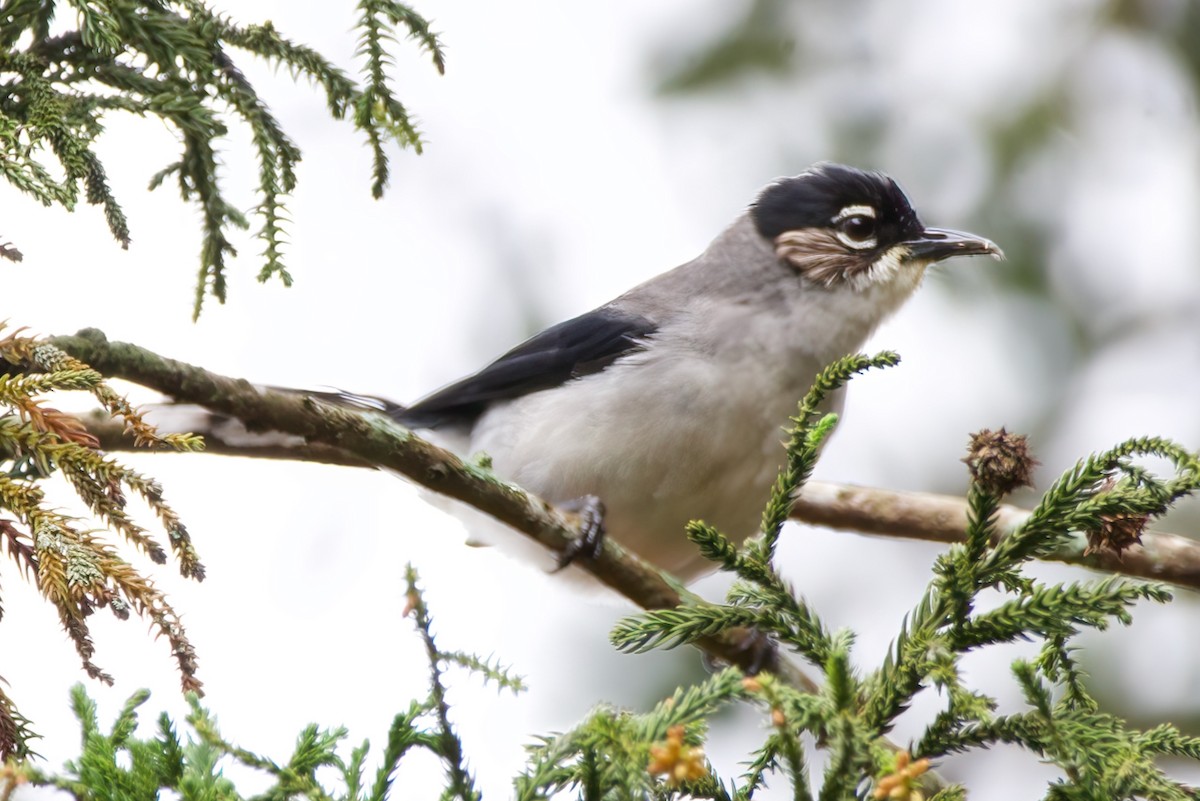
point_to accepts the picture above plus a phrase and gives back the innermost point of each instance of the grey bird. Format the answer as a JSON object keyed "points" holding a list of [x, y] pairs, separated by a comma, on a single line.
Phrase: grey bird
{"points": [[668, 403]]}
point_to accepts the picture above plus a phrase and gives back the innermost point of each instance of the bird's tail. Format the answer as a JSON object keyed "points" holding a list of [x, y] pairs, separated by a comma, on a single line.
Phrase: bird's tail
{"points": [[352, 400]]}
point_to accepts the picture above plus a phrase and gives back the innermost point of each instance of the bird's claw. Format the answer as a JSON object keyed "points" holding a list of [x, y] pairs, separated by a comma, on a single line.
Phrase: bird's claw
{"points": [[590, 510]]}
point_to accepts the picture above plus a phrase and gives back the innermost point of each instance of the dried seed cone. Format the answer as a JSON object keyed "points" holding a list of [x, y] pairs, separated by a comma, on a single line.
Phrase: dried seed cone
{"points": [[999, 461], [1116, 533]]}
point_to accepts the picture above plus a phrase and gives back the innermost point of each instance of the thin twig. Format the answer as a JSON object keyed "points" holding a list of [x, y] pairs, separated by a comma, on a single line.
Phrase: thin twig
{"points": [[943, 518]]}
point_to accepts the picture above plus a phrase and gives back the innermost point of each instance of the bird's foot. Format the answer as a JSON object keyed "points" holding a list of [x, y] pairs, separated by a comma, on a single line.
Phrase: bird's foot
{"points": [[590, 510]]}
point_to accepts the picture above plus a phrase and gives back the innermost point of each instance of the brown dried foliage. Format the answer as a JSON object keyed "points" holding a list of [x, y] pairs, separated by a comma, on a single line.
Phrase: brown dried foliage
{"points": [[73, 566]]}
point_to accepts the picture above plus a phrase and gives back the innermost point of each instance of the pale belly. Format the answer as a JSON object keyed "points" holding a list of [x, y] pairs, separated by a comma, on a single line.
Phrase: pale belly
{"points": [[678, 443]]}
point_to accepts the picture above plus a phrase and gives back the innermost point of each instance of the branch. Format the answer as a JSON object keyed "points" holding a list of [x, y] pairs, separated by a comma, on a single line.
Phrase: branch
{"points": [[911, 515], [374, 440], [943, 518], [223, 436]]}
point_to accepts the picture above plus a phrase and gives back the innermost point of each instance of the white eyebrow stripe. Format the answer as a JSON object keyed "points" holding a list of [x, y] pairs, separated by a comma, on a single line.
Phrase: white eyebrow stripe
{"points": [[855, 211]]}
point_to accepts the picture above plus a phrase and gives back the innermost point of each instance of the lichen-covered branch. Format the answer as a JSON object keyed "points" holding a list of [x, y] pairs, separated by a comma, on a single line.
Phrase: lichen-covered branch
{"points": [[223, 436], [375, 440], [911, 515]]}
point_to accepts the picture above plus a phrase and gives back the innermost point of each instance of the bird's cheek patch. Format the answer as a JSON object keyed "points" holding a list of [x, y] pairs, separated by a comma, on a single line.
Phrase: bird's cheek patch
{"points": [[816, 255]]}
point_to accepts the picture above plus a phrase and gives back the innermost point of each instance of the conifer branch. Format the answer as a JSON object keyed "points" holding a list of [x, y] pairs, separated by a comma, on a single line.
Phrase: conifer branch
{"points": [[117, 765], [177, 60]]}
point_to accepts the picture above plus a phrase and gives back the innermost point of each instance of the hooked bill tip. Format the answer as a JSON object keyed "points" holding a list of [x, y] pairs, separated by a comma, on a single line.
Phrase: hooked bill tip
{"points": [[942, 243]]}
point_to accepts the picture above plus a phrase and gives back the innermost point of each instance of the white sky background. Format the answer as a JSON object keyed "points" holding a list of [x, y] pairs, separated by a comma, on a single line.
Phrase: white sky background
{"points": [[553, 180]]}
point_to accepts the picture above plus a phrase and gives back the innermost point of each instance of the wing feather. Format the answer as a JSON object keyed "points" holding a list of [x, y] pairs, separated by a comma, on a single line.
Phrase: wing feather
{"points": [[581, 346]]}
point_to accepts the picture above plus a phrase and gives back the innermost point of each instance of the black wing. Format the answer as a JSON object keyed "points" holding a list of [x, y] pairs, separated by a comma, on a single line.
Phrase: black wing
{"points": [[586, 344]]}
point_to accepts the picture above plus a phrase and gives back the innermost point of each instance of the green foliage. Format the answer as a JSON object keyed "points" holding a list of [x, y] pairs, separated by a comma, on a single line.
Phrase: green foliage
{"points": [[117, 766], [74, 567], [1099, 756], [607, 755], [174, 61]]}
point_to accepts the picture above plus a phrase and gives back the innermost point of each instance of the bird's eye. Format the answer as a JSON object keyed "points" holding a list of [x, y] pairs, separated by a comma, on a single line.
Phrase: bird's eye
{"points": [[858, 228]]}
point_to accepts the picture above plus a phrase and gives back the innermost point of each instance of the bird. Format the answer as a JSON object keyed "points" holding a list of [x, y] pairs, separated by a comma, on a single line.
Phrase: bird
{"points": [[669, 403]]}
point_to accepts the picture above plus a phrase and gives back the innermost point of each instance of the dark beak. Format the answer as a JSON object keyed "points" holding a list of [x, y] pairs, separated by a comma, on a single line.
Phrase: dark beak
{"points": [[935, 244]]}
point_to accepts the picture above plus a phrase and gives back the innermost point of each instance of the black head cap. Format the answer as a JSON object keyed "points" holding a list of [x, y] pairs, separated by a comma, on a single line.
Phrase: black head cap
{"points": [[814, 198]]}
